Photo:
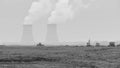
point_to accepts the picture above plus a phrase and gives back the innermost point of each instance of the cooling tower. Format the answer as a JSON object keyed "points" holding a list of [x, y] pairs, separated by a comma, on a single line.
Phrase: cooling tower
{"points": [[27, 37], [51, 33]]}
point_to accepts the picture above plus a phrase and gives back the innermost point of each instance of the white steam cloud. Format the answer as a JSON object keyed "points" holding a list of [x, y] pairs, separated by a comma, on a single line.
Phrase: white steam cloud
{"points": [[61, 12], [65, 10], [38, 10]]}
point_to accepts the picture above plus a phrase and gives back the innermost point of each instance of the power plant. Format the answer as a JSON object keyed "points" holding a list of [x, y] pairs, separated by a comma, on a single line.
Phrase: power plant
{"points": [[51, 36], [27, 37]]}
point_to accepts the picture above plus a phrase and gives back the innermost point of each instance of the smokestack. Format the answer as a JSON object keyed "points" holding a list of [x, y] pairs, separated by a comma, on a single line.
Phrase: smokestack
{"points": [[52, 36], [27, 37]]}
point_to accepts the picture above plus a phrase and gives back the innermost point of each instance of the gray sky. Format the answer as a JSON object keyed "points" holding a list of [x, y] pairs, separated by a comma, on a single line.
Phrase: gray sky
{"points": [[99, 22]]}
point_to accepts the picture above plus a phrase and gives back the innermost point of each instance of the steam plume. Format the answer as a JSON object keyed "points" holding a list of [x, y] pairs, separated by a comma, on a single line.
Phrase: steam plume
{"points": [[38, 10], [65, 10], [78, 4], [61, 13]]}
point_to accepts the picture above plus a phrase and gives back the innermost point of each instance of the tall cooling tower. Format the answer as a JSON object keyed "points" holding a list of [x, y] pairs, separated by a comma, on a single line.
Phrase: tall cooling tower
{"points": [[27, 36], [52, 36]]}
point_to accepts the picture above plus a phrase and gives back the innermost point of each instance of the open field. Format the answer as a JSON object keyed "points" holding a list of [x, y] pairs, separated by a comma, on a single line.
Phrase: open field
{"points": [[59, 57]]}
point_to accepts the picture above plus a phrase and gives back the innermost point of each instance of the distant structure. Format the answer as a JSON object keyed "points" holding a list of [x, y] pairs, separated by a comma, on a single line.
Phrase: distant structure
{"points": [[97, 44], [27, 37], [51, 36], [118, 45], [40, 44], [111, 44], [89, 43]]}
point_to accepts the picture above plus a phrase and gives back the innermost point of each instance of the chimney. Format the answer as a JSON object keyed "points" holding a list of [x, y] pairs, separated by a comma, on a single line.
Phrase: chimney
{"points": [[52, 36], [27, 37]]}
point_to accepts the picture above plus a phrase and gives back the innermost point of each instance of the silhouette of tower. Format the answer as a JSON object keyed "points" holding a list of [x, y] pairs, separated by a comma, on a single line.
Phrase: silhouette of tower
{"points": [[27, 36], [52, 36]]}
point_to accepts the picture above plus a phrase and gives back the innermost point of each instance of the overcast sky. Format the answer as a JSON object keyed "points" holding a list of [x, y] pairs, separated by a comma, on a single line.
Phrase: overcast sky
{"points": [[101, 21]]}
